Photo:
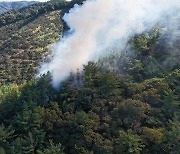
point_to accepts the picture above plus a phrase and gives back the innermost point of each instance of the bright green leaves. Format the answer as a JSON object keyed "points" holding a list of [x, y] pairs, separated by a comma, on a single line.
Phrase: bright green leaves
{"points": [[144, 43], [153, 135], [128, 142], [52, 149]]}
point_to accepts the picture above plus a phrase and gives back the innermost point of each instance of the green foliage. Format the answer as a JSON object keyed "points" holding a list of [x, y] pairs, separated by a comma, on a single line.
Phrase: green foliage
{"points": [[127, 102], [173, 137], [52, 149], [87, 118], [153, 135], [130, 113], [127, 142], [145, 42], [6, 136], [29, 143], [25, 39]]}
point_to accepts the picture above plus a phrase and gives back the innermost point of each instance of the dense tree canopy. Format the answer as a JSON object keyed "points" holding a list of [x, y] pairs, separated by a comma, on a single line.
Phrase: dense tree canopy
{"points": [[125, 103]]}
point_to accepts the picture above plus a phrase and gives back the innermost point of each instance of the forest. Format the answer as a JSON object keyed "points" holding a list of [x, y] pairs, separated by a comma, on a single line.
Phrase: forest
{"points": [[125, 103]]}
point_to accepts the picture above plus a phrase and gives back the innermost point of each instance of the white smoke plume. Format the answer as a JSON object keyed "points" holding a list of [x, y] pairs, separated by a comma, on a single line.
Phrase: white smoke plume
{"points": [[98, 25]]}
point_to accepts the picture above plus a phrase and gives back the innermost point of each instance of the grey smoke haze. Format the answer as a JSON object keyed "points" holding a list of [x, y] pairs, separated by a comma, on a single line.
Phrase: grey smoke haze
{"points": [[100, 24]]}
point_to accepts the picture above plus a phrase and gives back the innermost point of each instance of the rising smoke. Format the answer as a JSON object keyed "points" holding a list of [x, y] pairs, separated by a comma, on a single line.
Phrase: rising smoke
{"points": [[100, 24]]}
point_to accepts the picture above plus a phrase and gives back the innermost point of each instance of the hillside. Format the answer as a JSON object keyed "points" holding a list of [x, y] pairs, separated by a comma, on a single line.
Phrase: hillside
{"points": [[22, 47], [127, 102], [6, 6], [26, 34]]}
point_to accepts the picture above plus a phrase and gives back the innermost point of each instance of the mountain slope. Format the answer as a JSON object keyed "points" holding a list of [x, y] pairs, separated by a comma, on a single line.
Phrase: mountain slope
{"points": [[125, 103], [6, 6], [26, 34], [22, 48]]}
